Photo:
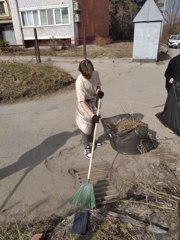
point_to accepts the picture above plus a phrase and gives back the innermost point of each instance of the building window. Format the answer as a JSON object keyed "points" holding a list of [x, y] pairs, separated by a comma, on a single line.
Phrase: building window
{"points": [[30, 18], [57, 16], [45, 17], [2, 8], [64, 14], [50, 18]]}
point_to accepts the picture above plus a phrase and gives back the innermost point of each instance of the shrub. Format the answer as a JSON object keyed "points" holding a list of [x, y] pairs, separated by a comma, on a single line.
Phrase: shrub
{"points": [[53, 44], [4, 46]]}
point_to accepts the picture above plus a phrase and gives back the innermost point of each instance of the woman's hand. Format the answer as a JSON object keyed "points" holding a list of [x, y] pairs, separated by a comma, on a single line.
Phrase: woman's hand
{"points": [[171, 81], [100, 94], [96, 118]]}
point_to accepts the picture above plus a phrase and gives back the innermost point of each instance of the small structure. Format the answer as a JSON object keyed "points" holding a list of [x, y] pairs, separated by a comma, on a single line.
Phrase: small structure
{"points": [[147, 32]]}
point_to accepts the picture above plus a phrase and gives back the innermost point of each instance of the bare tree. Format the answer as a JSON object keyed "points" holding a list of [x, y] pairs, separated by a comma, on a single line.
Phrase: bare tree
{"points": [[171, 14], [122, 13]]}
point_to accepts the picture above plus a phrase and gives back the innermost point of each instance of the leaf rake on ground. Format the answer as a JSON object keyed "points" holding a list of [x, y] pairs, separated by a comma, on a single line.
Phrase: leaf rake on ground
{"points": [[85, 197]]}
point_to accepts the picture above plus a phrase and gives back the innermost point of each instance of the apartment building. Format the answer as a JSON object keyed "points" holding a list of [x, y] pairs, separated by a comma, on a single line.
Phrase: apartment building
{"points": [[65, 21]]}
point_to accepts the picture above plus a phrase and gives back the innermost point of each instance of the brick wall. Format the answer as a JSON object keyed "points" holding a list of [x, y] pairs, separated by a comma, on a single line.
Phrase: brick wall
{"points": [[95, 17]]}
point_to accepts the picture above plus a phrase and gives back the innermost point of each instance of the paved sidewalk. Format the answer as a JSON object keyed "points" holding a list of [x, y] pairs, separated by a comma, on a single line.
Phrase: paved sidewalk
{"points": [[40, 142]]}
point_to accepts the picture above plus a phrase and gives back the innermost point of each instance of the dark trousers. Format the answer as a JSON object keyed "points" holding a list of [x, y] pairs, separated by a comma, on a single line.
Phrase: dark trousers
{"points": [[87, 139]]}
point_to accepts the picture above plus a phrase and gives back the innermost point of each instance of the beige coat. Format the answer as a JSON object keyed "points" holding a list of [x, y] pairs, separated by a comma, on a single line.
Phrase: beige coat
{"points": [[86, 91]]}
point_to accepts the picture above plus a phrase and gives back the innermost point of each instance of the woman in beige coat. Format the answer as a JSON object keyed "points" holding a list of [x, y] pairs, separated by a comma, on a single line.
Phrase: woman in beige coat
{"points": [[88, 89]]}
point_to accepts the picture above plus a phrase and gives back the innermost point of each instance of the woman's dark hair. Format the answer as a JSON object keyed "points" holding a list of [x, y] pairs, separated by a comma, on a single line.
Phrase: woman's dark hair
{"points": [[86, 68]]}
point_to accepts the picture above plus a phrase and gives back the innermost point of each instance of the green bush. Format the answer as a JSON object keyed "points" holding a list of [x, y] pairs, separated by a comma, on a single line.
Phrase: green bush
{"points": [[4, 46]]}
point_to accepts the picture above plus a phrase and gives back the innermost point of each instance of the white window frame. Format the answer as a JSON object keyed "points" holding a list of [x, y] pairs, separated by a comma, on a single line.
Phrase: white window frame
{"points": [[5, 8], [39, 17], [62, 17], [46, 17], [26, 13]]}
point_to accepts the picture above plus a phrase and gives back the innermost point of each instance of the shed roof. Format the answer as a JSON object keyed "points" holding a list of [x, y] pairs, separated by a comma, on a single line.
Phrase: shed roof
{"points": [[149, 13]]}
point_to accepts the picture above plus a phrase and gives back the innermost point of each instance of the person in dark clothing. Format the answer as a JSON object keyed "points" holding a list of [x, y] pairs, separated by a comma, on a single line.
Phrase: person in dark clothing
{"points": [[172, 73], [170, 116]]}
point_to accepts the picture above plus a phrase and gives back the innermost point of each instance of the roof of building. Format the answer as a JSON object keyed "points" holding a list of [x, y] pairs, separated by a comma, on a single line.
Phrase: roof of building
{"points": [[149, 13]]}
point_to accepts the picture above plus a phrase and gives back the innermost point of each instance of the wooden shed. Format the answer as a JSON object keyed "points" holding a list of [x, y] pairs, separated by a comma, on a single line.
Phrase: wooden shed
{"points": [[147, 31]]}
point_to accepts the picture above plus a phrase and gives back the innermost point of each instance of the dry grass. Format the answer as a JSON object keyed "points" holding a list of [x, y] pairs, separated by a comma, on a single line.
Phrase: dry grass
{"points": [[101, 49], [20, 80], [125, 125], [24, 230], [100, 41]]}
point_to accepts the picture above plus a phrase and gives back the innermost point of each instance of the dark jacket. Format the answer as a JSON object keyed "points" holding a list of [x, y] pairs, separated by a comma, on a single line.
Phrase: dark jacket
{"points": [[173, 71]]}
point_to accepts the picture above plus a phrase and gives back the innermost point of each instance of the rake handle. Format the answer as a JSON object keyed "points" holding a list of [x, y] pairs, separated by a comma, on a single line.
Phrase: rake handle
{"points": [[93, 144]]}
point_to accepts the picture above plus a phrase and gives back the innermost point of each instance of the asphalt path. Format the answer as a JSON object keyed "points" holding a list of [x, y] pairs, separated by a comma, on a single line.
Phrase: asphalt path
{"points": [[40, 141]]}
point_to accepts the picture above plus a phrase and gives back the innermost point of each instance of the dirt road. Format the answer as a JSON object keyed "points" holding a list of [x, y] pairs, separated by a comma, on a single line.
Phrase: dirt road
{"points": [[40, 142]]}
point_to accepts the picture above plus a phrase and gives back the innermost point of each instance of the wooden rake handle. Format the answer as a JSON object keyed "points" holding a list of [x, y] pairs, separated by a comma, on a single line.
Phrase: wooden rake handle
{"points": [[93, 143]]}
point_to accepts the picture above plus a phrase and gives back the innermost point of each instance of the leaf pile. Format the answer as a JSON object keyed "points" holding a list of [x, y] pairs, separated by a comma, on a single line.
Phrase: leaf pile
{"points": [[125, 125]]}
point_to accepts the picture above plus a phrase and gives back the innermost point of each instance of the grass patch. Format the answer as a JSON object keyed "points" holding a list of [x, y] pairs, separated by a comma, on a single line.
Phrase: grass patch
{"points": [[20, 80], [101, 48]]}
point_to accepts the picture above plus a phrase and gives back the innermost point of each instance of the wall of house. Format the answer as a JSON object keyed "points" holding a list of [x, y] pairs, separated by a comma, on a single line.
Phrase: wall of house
{"points": [[43, 32], [146, 41], [16, 22], [94, 18]]}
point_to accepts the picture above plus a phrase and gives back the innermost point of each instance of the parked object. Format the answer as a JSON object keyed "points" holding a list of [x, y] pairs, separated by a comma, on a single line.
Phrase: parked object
{"points": [[84, 197], [128, 135], [170, 116], [174, 41], [80, 222]]}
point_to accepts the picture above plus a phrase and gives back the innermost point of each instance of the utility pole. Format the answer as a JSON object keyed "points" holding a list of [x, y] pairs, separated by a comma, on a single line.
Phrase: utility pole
{"points": [[164, 9], [37, 52], [163, 13], [84, 44]]}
